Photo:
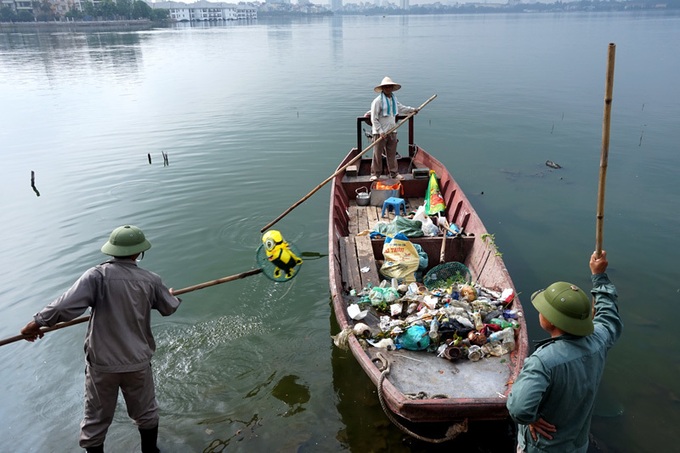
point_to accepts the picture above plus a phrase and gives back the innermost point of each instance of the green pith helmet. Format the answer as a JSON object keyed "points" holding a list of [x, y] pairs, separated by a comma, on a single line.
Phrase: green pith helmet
{"points": [[126, 240], [566, 306]]}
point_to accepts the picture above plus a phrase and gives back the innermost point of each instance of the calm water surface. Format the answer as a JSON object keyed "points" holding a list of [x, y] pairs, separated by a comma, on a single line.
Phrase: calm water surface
{"points": [[253, 117]]}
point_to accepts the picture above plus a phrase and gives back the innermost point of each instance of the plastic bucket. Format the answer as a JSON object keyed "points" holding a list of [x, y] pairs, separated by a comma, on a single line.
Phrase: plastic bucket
{"points": [[378, 196]]}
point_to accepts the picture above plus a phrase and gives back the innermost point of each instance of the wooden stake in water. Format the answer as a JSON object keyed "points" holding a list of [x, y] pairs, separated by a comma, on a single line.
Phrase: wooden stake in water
{"points": [[609, 88]]}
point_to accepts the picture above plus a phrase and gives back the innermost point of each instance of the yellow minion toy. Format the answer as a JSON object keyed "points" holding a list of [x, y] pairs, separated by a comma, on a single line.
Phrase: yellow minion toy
{"points": [[279, 254]]}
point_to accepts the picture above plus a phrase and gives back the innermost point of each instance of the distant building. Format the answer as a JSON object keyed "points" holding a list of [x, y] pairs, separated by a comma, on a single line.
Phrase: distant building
{"points": [[403, 4], [206, 11], [18, 5], [336, 5]]}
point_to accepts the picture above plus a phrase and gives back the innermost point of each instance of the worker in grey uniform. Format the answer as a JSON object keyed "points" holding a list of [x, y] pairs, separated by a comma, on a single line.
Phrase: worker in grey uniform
{"points": [[119, 343]]}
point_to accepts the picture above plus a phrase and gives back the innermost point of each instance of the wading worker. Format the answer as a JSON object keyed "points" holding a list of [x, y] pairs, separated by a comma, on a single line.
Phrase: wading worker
{"points": [[553, 397], [384, 111], [119, 343]]}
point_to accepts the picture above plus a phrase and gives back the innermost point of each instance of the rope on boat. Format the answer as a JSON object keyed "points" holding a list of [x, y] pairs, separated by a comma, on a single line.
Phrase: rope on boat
{"points": [[451, 433]]}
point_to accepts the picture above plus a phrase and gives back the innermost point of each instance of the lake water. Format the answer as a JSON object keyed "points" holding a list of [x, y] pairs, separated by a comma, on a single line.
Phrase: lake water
{"points": [[252, 117]]}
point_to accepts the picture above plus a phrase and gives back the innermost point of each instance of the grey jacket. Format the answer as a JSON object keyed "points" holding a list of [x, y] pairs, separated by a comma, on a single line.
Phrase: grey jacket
{"points": [[559, 381], [121, 296]]}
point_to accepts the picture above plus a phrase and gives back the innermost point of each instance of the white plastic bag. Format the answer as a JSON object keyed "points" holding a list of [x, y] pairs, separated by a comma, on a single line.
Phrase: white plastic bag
{"points": [[428, 227]]}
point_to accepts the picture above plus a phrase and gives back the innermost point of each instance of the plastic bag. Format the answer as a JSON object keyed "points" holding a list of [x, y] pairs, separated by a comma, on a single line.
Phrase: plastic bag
{"points": [[410, 228], [434, 202], [424, 260], [416, 338], [427, 225], [401, 258], [380, 294]]}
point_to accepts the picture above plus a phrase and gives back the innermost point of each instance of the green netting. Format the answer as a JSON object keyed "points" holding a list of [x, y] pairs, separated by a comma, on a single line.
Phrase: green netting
{"points": [[446, 274]]}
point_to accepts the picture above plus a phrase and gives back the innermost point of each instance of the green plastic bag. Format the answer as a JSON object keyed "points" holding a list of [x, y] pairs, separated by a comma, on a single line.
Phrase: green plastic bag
{"points": [[434, 202], [415, 338]]}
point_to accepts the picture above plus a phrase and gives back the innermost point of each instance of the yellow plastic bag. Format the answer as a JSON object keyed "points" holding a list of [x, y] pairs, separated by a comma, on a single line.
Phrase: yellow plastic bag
{"points": [[401, 258]]}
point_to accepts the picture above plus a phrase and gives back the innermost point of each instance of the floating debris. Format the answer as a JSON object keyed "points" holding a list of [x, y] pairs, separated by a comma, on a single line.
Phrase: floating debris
{"points": [[148, 156], [552, 164]]}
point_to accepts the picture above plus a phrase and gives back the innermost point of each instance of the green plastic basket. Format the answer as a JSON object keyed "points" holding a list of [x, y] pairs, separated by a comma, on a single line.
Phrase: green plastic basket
{"points": [[445, 274]]}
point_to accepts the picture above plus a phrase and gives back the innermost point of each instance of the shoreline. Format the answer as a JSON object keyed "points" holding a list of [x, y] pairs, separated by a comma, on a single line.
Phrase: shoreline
{"points": [[142, 24]]}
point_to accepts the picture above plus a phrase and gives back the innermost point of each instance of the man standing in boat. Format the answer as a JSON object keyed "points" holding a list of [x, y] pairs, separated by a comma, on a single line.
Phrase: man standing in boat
{"points": [[119, 343], [553, 397], [384, 111]]}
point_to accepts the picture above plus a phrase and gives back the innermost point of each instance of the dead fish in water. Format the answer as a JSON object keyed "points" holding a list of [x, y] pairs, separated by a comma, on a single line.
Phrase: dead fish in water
{"points": [[552, 164]]}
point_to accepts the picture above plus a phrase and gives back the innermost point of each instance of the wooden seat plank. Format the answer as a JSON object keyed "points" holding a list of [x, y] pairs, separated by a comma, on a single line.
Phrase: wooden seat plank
{"points": [[366, 259]]}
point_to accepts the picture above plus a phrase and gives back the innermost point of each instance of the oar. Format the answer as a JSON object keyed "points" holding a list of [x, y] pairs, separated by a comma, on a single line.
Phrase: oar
{"points": [[340, 170], [178, 292], [609, 88]]}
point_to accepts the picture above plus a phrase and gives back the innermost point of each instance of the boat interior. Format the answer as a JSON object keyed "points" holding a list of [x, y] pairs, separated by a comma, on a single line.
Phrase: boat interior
{"points": [[358, 250]]}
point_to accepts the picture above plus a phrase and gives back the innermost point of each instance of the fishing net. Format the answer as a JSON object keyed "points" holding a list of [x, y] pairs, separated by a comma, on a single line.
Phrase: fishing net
{"points": [[279, 260], [446, 274]]}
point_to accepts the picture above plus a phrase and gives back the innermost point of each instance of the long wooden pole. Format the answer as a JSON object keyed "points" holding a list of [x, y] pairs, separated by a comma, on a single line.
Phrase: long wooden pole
{"points": [[340, 170], [609, 88], [178, 292]]}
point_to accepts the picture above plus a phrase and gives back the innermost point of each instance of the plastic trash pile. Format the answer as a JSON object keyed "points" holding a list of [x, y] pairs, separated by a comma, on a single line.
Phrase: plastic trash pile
{"points": [[463, 321]]}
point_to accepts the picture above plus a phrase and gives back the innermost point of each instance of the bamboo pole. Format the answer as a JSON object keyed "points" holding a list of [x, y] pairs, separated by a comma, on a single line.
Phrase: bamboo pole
{"points": [[604, 158], [340, 170], [178, 292]]}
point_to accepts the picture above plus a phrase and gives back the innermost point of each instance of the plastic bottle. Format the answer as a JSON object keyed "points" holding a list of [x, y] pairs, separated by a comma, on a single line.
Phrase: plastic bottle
{"points": [[434, 330], [509, 342], [494, 314], [477, 319], [503, 323], [496, 336], [506, 337]]}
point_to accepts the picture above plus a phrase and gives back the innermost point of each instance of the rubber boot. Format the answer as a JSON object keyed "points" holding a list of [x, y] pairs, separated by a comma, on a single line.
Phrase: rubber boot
{"points": [[97, 449], [149, 438]]}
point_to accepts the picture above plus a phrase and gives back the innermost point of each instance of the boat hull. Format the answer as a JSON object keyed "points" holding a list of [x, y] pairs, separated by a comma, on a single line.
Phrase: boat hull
{"points": [[420, 387]]}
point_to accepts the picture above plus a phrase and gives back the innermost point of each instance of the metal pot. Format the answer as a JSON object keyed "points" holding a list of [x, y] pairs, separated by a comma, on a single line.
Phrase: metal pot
{"points": [[363, 196]]}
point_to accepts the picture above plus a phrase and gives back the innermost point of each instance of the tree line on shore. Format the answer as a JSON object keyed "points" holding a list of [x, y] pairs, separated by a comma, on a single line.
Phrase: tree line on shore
{"points": [[45, 11], [110, 10]]}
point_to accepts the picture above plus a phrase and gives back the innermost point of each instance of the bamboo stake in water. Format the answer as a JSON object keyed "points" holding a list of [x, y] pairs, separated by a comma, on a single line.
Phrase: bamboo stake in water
{"points": [[609, 88], [340, 170]]}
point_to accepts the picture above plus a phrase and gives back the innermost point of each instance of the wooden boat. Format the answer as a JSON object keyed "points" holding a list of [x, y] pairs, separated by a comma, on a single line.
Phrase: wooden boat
{"points": [[420, 387]]}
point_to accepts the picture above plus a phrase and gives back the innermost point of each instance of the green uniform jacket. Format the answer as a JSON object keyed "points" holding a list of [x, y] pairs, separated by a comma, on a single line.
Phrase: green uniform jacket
{"points": [[559, 381]]}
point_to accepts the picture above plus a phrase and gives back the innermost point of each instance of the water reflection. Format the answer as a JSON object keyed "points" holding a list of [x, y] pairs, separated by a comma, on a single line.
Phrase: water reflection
{"points": [[336, 36], [109, 51], [219, 445], [292, 393]]}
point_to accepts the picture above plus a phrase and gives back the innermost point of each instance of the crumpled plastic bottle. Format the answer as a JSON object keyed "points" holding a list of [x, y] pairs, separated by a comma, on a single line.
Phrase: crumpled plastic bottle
{"points": [[506, 338]]}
